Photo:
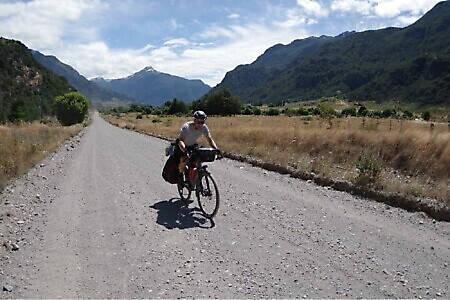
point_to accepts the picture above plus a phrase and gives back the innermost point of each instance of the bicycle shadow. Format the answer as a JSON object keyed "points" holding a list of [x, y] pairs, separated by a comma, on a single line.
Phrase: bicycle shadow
{"points": [[174, 213]]}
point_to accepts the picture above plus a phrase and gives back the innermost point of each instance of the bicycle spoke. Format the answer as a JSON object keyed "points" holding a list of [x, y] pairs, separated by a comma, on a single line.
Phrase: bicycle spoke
{"points": [[207, 195]]}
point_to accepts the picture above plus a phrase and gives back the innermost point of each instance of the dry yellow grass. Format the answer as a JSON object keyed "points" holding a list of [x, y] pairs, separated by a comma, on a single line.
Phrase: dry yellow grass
{"points": [[23, 145], [414, 157]]}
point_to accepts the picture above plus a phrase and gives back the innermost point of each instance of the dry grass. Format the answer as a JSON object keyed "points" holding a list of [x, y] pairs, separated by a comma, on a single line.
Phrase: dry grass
{"points": [[24, 145], [413, 157]]}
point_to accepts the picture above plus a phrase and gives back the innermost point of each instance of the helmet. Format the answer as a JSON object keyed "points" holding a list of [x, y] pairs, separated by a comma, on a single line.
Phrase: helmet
{"points": [[200, 115]]}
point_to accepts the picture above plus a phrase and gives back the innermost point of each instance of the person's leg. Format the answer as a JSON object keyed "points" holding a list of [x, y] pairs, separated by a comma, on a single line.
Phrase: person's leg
{"points": [[182, 164]]}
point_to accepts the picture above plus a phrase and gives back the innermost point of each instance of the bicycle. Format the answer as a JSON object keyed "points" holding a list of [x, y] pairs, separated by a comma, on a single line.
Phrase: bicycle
{"points": [[197, 178]]}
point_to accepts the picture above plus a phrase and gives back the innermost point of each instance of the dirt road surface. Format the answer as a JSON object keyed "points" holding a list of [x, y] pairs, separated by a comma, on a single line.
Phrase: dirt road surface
{"points": [[96, 220]]}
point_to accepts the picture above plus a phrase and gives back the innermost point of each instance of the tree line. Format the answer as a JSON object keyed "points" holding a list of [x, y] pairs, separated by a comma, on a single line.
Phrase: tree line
{"points": [[223, 103]]}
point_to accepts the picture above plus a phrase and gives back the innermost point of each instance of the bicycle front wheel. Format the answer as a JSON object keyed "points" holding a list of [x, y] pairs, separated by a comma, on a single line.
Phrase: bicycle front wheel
{"points": [[184, 191], [207, 195]]}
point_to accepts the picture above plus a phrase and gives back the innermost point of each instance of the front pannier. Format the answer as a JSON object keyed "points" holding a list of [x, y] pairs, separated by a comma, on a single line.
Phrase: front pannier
{"points": [[206, 154]]}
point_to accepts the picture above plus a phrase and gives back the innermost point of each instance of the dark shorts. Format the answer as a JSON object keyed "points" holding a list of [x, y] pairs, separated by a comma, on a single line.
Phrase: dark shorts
{"points": [[178, 153]]}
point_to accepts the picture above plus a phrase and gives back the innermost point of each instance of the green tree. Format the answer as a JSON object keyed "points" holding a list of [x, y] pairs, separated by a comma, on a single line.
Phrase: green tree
{"points": [[71, 108], [426, 115], [18, 111], [177, 107], [220, 103], [387, 113], [362, 111], [407, 115], [247, 110]]}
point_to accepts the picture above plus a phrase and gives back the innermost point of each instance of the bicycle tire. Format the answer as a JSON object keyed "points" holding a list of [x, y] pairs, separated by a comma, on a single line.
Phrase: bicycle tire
{"points": [[207, 194], [184, 191]]}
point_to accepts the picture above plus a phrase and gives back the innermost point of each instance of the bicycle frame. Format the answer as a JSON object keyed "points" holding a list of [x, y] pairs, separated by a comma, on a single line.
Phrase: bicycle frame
{"points": [[200, 180]]}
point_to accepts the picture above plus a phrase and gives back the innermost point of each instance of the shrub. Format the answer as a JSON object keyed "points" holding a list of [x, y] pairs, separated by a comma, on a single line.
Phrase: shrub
{"points": [[349, 111], [71, 108], [247, 110], [257, 111], [426, 115], [369, 170], [273, 112]]}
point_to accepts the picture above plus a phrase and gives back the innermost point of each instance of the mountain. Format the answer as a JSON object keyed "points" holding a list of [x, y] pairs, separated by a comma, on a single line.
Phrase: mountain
{"points": [[27, 89], [410, 64], [94, 93], [155, 88]]}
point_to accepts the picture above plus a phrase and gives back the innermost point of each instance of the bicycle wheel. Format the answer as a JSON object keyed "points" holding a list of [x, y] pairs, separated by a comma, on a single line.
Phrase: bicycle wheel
{"points": [[184, 191], [207, 194]]}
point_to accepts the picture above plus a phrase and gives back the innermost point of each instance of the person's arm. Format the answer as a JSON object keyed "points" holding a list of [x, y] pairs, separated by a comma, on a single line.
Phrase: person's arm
{"points": [[211, 142], [181, 144]]}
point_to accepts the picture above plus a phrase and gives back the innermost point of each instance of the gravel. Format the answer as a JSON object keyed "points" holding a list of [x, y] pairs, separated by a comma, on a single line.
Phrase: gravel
{"points": [[96, 220]]}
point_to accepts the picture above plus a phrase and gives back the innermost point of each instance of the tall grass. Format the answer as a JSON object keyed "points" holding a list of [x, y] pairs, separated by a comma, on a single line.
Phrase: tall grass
{"points": [[24, 145], [410, 157]]}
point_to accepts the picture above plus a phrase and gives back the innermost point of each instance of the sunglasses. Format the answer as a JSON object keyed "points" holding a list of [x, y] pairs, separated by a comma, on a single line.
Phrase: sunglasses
{"points": [[200, 122]]}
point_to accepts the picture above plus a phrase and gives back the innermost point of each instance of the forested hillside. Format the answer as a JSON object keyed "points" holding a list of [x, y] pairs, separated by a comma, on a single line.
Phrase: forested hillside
{"points": [[94, 93], [27, 89], [409, 64]]}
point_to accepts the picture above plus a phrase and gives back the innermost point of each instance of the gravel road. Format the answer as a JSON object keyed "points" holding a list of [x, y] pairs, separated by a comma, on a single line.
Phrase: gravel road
{"points": [[96, 220]]}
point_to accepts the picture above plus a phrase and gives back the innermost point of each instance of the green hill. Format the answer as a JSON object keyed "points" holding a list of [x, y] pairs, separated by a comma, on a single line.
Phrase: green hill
{"points": [[27, 89], [409, 64]]}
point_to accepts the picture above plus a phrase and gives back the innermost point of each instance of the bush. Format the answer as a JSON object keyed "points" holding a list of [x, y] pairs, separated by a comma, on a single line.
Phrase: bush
{"points": [[288, 112], [387, 113], [369, 170], [302, 112], [71, 108], [257, 111], [247, 110], [426, 115], [407, 115], [349, 111], [273, 112]]}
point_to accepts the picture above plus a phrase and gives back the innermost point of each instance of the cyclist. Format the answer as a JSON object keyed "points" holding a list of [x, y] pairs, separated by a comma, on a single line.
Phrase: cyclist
{"points": [[190, 132]]}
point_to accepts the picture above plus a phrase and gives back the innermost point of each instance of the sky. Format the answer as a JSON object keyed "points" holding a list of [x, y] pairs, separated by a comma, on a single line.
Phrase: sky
{"points": [[194, 39]]}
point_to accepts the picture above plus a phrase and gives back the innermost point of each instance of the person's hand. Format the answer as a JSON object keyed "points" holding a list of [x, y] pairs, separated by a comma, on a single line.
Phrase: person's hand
{"points": [[219, 154]]}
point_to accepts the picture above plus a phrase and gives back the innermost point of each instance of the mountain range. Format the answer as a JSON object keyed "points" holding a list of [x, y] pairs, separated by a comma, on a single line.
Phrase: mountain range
{"points": [[155, 88], [410, 64], [93, 92], [147, 86]]}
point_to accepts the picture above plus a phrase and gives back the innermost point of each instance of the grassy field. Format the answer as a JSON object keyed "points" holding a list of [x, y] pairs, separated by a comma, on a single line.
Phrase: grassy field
{"points": [[408, 157], [24, 145]]}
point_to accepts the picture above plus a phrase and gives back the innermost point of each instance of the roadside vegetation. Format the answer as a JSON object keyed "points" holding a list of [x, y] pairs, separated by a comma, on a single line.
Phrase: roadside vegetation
{"points": [[23, 145], [391, 150]]}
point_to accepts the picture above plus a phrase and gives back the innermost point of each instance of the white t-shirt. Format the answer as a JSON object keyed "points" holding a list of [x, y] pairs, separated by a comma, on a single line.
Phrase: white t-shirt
{"points": [[190, 135]]}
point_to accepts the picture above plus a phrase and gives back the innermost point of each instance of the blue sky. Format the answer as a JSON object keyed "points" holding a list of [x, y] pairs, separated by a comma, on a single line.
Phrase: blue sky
{"points": [[195, 39]]}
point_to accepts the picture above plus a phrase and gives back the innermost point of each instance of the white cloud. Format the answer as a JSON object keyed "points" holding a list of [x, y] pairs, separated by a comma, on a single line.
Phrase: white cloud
{"points": [[233, 16], [78, 31], [384, 8], [177, 42], [41, 23], [312, 7], [97, 59], [293, 19], [361, 6], [390, 9]]}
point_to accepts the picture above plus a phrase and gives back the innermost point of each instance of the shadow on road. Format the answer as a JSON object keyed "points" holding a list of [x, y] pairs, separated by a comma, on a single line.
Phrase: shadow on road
{"points": [[174, 213]]}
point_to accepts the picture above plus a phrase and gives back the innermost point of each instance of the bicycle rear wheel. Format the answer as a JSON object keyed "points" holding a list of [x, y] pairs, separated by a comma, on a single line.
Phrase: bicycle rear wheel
{"points": [[207, 194]]}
